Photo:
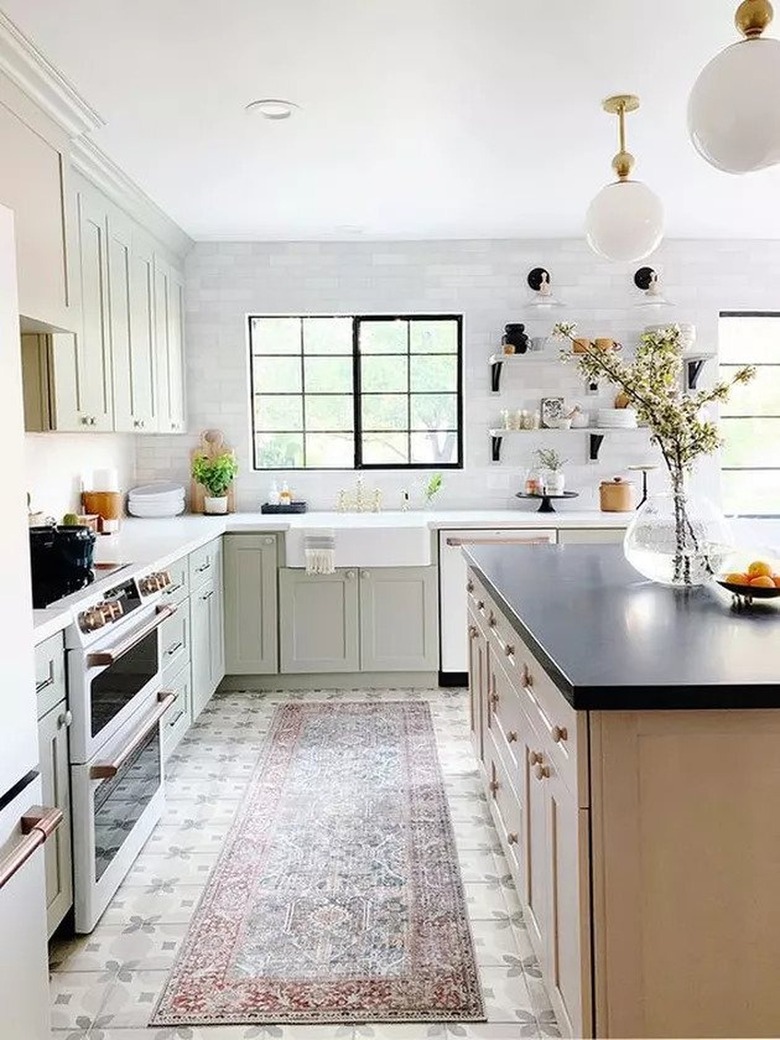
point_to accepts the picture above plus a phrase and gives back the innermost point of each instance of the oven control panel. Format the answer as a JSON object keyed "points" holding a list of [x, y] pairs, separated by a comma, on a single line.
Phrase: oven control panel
{"points": [[114, 605]]}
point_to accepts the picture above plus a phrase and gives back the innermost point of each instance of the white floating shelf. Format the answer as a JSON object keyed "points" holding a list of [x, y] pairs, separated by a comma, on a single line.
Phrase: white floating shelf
{"points": [[596, 436]]}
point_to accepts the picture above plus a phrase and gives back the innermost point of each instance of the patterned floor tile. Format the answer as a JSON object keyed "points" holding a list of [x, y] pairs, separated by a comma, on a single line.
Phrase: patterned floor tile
{"points": [[229, 787], [155, 868], [119, 948], [493, 945], [483, 901], [130, 998], [505, 992], [480, 865], [145, 907], [401, 1031], [199, 835], [76, 998]]}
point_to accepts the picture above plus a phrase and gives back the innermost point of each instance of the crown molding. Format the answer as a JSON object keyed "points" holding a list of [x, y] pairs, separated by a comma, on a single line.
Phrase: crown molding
{"points": [[33, 73], [95, 165]]}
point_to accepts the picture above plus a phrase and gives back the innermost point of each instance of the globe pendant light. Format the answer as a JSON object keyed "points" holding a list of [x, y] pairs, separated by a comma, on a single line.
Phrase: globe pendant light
{"points": [[625, 221], [734, 107]]}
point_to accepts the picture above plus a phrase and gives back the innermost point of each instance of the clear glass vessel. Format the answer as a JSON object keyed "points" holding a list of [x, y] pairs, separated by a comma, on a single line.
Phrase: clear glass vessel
{"points": [[678, 539]]}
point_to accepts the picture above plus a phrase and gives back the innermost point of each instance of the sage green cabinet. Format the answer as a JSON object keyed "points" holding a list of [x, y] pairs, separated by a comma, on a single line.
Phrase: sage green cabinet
{"points": [[379, 620], [320, 629], [55, 780], [399, 625], [207, 629], [251, 607]]}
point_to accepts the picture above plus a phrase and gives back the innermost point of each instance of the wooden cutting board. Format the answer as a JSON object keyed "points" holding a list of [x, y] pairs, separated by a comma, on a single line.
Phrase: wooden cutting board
{"points": [[212, 443]]}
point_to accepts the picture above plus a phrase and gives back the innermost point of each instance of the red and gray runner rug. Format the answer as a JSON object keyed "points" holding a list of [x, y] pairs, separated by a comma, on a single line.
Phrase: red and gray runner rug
{"points": [[337, 896]]}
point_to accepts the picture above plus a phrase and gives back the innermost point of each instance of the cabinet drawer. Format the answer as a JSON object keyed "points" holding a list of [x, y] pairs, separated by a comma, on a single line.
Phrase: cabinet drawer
{"points": [[203, 564], [175, 641], [177, 720], [549, 711], [50, 686], [505, 806], [179, 588]]}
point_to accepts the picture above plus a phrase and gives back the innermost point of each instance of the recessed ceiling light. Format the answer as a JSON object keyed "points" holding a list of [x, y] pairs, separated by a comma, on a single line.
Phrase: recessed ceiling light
{"points": [[272, 108]]}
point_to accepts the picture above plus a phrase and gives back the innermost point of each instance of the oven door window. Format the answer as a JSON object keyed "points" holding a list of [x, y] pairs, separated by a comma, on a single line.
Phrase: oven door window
{"points": [[117, 684], [120, 801]]}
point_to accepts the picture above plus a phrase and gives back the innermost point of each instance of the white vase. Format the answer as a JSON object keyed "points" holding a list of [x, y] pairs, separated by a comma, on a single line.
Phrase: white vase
{"points": [[555, 482], [216, 505]]}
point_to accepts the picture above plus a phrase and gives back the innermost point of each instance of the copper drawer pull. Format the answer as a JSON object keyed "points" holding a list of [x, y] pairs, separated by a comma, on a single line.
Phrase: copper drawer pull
{"points": [[203, 567], [527, 680], [534, 757], [109, 657], [494, 786], [174, 649], [559, 733], [511, 839], [511, 737], [105, 770], [494, 699], [492, 620], [37, 824], [541, 772]]}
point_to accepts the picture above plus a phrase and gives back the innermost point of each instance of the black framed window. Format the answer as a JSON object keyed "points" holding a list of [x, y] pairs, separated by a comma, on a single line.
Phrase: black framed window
{"points": [[750, 419], [357, 391]]}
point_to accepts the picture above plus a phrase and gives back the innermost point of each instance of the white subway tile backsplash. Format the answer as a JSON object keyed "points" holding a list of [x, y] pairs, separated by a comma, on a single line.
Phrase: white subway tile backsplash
{"points": [[486, 281]]}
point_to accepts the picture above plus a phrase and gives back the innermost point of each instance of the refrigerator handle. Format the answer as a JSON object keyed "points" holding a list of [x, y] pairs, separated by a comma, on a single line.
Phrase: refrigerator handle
{"points": [[36, 825]]}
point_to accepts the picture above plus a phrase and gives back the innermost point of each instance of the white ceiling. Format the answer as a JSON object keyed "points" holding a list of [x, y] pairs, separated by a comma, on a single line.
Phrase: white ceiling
{"points": [[419, 118]]}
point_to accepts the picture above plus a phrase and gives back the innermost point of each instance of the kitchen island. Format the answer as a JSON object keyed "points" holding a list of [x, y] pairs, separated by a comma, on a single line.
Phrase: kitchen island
{"points": [[628, 736]]}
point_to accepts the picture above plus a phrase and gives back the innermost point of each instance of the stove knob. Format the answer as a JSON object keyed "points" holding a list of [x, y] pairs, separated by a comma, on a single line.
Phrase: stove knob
{"points": [[91, 620], [163, 578], [148, 585], [110, 609]]}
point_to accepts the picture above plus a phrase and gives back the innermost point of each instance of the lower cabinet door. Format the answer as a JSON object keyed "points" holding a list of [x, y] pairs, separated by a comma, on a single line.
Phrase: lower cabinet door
{"points": [[55, 778], [568, 960], [251, 609], [217, 621], [319, 627], [536, 872], [477, 686], [203, 652], [399, 625]]}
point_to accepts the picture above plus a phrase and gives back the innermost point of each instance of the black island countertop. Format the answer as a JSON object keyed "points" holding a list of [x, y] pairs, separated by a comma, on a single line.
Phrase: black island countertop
{"points": [[611, 640]]}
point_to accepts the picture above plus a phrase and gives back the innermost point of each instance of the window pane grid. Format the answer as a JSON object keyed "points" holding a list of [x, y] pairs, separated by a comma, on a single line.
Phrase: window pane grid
{"points": [[341, 424]]}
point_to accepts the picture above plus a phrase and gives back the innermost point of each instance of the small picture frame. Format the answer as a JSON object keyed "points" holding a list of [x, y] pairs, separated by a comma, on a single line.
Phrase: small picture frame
{"points": [[551, 411]]}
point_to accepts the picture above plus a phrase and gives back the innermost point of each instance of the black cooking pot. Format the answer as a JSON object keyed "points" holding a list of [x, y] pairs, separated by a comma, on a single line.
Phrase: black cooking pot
{"points": [[61, 561]]}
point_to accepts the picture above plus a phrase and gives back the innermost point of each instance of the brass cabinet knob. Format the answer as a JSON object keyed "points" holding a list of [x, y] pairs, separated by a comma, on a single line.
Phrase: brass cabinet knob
{"points": [[493, 785], [469, 586], [541, 772], [473, 632], [481, 604], [534, 757], [559, 734], [509, 650], [65, 719], [511, 839], [511, 737], [494, 698], [527, 679], [492, 620], [268, 541]]}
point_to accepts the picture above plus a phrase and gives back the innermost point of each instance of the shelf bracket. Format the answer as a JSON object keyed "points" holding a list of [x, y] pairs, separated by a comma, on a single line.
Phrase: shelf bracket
{"points": [[495, 447], [594, 446], [692, 372], [495, 375]]}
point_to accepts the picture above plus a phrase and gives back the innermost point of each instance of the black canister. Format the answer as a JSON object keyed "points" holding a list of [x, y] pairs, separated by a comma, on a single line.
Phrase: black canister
{"points": [[61, 560], [514, 336]]}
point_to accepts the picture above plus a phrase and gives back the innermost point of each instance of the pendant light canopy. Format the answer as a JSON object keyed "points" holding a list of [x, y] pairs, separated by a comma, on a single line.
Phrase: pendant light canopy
{"points": [[733, 113], [625, 220]]}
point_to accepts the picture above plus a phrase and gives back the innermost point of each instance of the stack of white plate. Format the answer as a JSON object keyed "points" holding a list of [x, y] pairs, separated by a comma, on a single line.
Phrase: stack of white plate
{"points": [[156, 500], [616, 418]]}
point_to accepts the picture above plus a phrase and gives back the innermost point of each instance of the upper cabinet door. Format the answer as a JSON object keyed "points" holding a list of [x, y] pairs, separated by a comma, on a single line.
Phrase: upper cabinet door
{"points": [[131, 294], [169, 331], [93, 344], [34, 175]]}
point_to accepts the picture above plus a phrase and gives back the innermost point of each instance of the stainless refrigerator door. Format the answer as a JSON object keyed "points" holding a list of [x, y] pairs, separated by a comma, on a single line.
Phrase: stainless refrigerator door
{"points": [[20, 740], [24, 978]]}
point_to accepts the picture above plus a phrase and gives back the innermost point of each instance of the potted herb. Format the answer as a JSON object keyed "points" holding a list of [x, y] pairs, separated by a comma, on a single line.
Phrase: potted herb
{"points": [[552, 463], [432, 488], [215, 475], [673, 539]]}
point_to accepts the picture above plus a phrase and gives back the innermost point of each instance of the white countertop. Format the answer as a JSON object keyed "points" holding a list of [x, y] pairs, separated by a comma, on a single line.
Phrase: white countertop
{"points": [[155, 544]]}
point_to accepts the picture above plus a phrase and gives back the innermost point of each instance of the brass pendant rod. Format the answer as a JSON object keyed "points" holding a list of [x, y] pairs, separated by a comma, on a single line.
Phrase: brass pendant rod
{"points": [[622, 126]]}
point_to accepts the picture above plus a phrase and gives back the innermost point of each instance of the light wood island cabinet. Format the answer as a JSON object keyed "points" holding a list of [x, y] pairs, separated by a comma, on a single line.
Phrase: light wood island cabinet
{"points": [[643, 843]]}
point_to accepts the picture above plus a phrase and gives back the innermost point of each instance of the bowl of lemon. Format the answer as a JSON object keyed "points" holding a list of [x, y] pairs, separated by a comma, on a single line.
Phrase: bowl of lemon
{"points": [[759, 580]]}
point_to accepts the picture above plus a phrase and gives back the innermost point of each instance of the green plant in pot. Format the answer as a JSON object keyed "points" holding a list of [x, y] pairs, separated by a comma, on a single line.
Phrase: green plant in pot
{"points": [[552, 463], [215, 475]]}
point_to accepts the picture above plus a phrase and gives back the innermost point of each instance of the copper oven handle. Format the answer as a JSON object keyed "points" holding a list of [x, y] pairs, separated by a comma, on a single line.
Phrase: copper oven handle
{"points": [[108, 657], [37, 824], [497, 541], [105, 770]]}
